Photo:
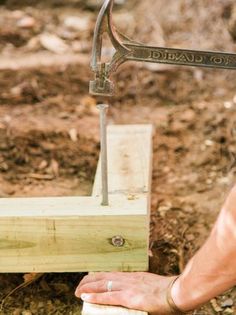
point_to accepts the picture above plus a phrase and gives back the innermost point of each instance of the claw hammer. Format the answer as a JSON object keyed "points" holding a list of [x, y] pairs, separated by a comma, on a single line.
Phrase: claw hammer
{"points": [[127, 49]]}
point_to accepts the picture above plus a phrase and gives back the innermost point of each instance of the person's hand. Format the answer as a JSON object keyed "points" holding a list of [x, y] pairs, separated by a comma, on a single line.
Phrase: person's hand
{"points": [[139, 291]]}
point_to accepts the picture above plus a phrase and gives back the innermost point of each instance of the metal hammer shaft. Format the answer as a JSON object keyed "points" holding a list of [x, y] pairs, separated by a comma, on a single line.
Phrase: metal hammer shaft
{"points": [[103, 139]]}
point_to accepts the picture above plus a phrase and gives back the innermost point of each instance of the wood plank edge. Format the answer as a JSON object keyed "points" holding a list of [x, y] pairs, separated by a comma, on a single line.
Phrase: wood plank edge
{"points": [[94, 309]]}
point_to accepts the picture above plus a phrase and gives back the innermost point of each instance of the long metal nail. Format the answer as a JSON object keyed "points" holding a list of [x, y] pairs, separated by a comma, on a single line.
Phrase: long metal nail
{"points": [[104, 168]]}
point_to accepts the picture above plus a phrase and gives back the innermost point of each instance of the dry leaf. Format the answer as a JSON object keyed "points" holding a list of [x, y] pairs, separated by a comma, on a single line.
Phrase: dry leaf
{"points": [[26, 22], [43, 164], [215, 306], [29, 277]]}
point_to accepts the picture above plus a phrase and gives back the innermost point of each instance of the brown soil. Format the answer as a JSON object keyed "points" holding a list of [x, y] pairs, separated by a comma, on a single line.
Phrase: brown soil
{"points": [[49, 142]]}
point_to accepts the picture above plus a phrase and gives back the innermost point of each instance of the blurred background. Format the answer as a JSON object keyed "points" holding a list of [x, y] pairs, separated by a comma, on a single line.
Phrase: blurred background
{"points": [[49, 133]]}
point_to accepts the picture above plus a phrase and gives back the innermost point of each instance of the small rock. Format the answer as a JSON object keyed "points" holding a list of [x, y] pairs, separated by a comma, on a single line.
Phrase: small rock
{"points": [[209, 181], [17, 14], [198, 75], [73, 134], [81, 46], [4, 167], [54, 167], [16, 91], [188, 115], [227, 303], [88, 101], [223, 180], [96, 4], [190, 237], [17, 311], [228, 105], [41, 305], [234, 99], [178, 126], [228, 311], [2, 126], [53, 43], [7, 119], [77, 23], [42, 165], [64, 115], [215, 306], [33, 44], [26, 22], [26, 312], [209, 143]]}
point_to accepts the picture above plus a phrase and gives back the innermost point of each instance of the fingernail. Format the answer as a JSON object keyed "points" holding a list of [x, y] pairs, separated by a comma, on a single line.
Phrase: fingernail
{"points": [[85, 297]]}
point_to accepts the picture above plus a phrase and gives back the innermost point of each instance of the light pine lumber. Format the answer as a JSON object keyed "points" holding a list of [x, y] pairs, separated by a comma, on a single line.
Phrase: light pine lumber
{"points": [[71, 234], [92, 309], [70, 207], [129, 160], [129, 173]]}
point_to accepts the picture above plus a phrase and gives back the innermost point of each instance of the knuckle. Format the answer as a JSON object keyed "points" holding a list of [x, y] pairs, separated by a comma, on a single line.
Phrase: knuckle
{"points": [[135, 301], [102, 275], [85, 279], [126, 298], [103, 285]]}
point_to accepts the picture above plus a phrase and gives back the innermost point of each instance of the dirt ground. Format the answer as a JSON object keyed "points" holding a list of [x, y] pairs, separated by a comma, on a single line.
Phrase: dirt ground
{"points": [[49, 141]]}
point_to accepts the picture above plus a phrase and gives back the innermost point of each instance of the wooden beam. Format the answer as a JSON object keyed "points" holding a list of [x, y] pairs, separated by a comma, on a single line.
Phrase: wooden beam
{"points": [[71, 234], [129, 160], [129, 169], [74, 233], [92, 309]]}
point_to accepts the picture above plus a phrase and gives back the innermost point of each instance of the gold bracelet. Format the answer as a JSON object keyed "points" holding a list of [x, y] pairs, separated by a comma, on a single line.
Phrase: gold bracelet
{"points": [[174, 309]]}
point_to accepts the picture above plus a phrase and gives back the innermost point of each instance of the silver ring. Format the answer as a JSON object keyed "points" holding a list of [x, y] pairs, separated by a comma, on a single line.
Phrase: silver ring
{"points": [[109, 286]]}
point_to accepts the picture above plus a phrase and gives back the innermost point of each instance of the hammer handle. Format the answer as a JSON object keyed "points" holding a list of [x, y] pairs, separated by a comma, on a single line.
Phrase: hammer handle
{"points": [[180, 56]]}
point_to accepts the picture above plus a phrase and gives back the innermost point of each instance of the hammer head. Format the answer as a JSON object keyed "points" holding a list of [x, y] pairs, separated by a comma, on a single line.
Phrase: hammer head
{"points": [[101, 85]]}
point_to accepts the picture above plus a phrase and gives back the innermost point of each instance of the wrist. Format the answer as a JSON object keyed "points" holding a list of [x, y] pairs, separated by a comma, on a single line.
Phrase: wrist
{"points": [[174, 309], [183, 299]]}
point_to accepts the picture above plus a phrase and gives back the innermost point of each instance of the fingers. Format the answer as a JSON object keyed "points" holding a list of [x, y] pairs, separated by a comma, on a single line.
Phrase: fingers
{"points": [[99, 287], [112, 276], [139, 291], [121, 298], [108, 298]]}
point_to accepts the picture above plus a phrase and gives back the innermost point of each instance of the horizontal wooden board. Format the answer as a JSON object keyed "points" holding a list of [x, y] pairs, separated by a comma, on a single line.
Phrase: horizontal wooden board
{"points": [[71, 206], [50, 242]]}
